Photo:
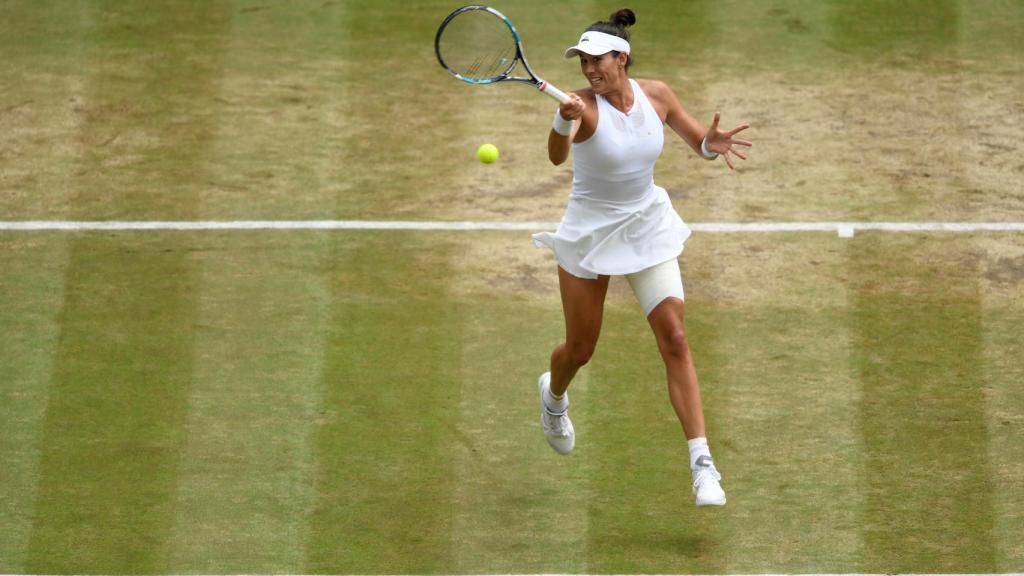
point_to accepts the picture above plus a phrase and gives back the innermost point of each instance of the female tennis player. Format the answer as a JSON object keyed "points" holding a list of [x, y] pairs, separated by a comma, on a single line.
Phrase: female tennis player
{"points": [[618, 222]]}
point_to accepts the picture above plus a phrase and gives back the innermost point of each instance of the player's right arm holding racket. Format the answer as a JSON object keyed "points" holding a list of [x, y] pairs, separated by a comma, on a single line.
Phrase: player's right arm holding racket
{"points": [[568, 116]]}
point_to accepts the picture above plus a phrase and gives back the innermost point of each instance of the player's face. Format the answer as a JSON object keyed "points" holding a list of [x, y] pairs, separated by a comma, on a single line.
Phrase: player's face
{"points": [[605, 72]]}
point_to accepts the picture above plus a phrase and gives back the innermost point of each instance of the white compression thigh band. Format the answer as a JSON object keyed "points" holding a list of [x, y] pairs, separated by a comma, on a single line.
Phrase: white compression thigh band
{"points": [[652, 285]]}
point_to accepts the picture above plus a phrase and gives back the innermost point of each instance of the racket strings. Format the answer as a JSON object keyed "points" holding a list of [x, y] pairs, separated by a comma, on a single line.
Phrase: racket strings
{"points": [[474, 70], [490, 66]]}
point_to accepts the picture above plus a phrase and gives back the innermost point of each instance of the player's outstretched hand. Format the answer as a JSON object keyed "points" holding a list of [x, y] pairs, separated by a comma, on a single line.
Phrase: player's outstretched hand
{"points": [[723, 142]]}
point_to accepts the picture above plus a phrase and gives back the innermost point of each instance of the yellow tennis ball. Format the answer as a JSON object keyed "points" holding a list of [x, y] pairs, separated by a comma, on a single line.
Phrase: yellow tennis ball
{"points": [[487, 153]]}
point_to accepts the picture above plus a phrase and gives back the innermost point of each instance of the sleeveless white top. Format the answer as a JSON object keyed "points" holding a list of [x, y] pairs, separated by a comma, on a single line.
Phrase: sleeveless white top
{"points": [[617, 221]]}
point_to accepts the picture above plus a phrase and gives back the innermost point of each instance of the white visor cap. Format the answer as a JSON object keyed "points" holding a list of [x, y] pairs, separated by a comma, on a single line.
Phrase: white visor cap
{"points": [[596, 43]]}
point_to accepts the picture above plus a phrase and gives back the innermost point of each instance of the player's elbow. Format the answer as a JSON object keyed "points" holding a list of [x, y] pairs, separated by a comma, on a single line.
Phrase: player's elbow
{"points": [[558, 154], [558, 148]]}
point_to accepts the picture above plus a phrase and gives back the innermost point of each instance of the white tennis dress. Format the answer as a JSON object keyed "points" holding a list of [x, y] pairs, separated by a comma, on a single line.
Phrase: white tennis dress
{"points": [[617, 221]]}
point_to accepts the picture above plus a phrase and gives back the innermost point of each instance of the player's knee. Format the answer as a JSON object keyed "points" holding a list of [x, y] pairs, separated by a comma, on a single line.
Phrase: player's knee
{"points": [[673, 342], [580, 353]]}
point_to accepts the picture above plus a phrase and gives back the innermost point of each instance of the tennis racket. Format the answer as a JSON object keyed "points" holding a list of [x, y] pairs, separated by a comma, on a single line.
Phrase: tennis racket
{"points": [[479, 45]]}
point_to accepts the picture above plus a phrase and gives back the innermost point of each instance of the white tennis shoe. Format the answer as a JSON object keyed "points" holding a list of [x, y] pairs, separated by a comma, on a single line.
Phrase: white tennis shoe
{"points": [[557, 427], [707, 487]]}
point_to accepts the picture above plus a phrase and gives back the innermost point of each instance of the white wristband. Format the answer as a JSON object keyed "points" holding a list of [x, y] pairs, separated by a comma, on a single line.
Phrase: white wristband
{"points": [[561, 125], [704, 150]]}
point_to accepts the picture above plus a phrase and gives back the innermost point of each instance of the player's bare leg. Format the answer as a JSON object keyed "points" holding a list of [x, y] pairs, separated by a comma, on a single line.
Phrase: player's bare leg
{"points": [[667, 322], [583, 306]]}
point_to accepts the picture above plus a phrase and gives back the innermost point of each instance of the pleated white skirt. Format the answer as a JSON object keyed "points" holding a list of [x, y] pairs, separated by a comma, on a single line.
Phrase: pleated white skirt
{"points": [[605, 238]]}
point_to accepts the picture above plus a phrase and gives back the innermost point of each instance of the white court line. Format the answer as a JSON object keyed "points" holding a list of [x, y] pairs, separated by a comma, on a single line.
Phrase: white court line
{"points": [[843, 229], [769, 574]]}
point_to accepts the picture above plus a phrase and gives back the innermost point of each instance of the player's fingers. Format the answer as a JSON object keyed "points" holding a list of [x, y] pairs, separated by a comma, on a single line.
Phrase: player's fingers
{"points": [[738, 129], [741, 155], [728, 160], [714, 122], [572, 109], [746, 143]]}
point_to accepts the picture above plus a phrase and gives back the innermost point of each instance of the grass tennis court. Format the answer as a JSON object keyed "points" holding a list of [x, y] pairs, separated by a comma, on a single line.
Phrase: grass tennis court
{"points": [[360, 401]]}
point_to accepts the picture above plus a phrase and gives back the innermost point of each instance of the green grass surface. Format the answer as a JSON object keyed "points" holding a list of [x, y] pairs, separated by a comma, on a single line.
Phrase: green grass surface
{"points": [[338, 403], [365, 402]]}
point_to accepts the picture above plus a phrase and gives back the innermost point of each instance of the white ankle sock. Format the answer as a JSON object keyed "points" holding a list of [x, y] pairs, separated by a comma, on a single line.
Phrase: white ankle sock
{"points": [[698, 447], [556, 406]]}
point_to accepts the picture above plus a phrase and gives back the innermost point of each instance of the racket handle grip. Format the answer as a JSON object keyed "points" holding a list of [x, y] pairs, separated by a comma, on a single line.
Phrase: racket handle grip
{"points": [[553, 92]]}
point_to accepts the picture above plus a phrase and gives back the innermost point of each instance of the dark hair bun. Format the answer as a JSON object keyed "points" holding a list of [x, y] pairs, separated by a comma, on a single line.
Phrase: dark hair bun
{"points": [[623, 18]]}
